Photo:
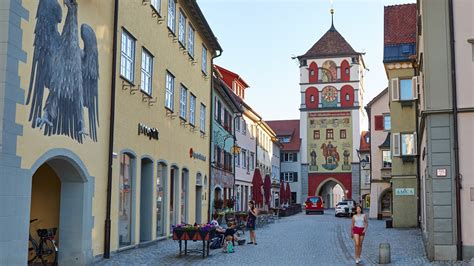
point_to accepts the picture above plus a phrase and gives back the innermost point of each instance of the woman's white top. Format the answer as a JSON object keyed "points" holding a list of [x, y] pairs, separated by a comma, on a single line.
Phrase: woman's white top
{"points": [[359, 220]]}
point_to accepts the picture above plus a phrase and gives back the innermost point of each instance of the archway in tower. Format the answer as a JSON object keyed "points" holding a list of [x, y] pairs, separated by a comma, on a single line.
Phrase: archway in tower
{"points": [[332, 192]]}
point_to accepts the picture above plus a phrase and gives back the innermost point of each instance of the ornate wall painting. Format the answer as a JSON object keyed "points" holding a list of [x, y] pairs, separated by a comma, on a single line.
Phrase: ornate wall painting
{"points": [[70, 74]]}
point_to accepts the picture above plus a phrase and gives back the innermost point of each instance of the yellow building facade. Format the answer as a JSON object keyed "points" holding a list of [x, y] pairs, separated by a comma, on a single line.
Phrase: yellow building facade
{"points": [[62, 127]]}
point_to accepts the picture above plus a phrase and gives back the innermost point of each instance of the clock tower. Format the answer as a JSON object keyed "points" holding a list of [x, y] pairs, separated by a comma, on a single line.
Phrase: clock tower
{"points": [[331, 112]]}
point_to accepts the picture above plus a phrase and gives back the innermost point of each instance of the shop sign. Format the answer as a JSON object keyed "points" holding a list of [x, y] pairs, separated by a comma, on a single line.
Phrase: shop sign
{"points": [[404, 191], [196, 155], [151, 133]]}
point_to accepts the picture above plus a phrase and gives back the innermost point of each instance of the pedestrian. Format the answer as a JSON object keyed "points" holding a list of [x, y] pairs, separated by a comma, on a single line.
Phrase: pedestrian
{"points": [[358, 230], [251, 219]]}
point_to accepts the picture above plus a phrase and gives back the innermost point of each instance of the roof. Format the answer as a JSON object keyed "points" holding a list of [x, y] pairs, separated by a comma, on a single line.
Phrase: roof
{"points": [[283, 128], [233, 74], [364, 141], [386, 143], [376, 98], [331, 44], [400, 24], [201, 22]]}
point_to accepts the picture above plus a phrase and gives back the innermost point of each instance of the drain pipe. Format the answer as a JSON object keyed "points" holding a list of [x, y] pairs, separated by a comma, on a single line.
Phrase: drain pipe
{"points": [[459, 243], [211, 113], [111, 135]]}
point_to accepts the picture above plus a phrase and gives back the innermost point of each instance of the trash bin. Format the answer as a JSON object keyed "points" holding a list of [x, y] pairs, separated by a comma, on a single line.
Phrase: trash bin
{"points": [[388, 223]]}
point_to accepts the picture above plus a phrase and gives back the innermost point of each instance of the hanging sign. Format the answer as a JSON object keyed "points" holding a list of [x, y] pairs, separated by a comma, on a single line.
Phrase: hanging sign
{"points": [[151, 133], [196, 155]]}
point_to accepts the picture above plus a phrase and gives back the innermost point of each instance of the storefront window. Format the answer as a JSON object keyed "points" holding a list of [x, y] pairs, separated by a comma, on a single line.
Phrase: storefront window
{"points": [[161, 173], [184, 183], [125, 197], [386, 201]]}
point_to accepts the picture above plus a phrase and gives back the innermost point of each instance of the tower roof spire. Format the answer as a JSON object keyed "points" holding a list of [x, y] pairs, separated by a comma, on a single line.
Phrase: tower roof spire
{"points": [[332, 17]]}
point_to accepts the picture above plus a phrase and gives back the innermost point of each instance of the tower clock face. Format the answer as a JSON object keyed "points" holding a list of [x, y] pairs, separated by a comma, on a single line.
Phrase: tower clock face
{"points": [[329, 94]]}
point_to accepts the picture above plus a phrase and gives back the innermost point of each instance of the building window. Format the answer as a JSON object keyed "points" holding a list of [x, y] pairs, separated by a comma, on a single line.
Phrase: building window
{"points": [[408, 144], [285, 139], [127, 59], [386, 159], [169, 92], [405, 90], [320, 74], [147, 72], [191, 34], [289, 176], [252, 160], [347, 71], [342, 134], [237, 124], [126, 187], [329, 134], [192, 110], [386, 122], [156, 4], [338, 73], [172, 15], [244, 127], [244, 158], [289, 157], [183, 102], [204, 60], [182, 28], [311, 98], [202, 119], [237, 160], [316, 134], [348, 97], [404, 144]]}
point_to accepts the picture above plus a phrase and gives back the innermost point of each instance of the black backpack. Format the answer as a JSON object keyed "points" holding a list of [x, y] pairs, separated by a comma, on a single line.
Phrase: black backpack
{"points": [[215, 243]]}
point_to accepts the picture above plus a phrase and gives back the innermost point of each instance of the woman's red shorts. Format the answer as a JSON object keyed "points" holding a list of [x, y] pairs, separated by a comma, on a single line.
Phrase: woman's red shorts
{"points": [[358, 231]]}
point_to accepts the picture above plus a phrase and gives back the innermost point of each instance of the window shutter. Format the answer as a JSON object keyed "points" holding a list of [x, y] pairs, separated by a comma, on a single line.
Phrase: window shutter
{"points": [[396, 144], [295, 157], [415, 138], [395, 90], [379, 122], [414, 87], [295, 176]]}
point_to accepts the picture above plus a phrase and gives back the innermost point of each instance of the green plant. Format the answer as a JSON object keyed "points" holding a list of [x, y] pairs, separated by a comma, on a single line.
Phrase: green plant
{"points": [[218, 203]]}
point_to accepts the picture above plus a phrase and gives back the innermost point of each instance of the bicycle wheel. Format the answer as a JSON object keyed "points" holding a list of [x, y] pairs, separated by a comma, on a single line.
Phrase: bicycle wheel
{"points": [[49, 253], [32, 255]]}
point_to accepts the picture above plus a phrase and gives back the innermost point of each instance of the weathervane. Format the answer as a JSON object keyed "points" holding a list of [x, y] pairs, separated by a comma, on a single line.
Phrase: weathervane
{"points": [[332, 14]]}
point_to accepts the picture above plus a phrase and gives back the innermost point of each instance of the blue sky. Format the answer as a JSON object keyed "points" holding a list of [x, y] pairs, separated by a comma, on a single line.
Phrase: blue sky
{"points": [[259, 37]]}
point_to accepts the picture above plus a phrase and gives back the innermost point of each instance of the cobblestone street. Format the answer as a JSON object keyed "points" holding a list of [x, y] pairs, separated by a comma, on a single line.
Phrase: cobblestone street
{"points": [[297, 240]]}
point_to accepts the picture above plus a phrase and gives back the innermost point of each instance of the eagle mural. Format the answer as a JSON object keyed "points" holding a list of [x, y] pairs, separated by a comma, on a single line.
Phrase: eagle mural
{"points": [[69, 73]]}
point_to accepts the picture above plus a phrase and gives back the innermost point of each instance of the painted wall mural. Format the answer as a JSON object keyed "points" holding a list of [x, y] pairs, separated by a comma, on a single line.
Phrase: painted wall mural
{"points": [[330, 142], [69, 73]]}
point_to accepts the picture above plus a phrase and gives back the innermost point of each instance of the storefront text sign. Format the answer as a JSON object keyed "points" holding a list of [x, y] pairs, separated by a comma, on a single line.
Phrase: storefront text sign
{"points": [[196, 155], [151, 133], [404, 191]]}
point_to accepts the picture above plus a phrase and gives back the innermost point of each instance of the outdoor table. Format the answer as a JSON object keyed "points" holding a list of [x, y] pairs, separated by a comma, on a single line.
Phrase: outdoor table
{"points": [[185, 234]]}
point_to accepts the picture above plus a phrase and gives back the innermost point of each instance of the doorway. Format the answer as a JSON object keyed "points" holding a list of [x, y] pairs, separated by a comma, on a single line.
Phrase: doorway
{"points": [[146, 200], [61, 197], [199, 199], [174, 198]]}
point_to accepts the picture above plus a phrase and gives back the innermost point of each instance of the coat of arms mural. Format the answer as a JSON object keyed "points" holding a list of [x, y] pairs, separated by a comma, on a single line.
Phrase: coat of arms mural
{"points": [[70, 74]]}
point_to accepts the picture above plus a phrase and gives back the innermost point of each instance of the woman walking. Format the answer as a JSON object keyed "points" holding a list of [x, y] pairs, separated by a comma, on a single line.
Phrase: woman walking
{"points": [[251, 222], [358, 230]]}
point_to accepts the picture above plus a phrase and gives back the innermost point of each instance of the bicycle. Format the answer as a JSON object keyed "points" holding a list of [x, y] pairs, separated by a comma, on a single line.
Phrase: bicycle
{"points": [[45, 250]]}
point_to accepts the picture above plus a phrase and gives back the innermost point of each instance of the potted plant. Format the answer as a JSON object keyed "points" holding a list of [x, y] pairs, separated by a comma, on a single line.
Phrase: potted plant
{"points": [[230, 203]]}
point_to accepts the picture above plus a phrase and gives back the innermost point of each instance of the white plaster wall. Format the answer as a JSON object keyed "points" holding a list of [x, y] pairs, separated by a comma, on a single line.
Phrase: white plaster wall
{"points": [[377, 137], [246, 142]]}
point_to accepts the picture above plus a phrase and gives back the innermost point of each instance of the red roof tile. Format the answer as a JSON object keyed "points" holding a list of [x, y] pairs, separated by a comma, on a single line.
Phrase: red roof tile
{"points": [[331, 44], [400, 24], [288, 128], [364, 141]]}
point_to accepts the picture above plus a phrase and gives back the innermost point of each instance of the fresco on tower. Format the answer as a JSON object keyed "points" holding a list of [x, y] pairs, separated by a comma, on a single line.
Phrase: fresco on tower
{"points": [[329, 142]]}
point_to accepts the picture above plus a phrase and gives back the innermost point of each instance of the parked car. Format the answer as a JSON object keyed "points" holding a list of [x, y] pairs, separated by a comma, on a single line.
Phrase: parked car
{"points": [[345, 208], [314, 204]]}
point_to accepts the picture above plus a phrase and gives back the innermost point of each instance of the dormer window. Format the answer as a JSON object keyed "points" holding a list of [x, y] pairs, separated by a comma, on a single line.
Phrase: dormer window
{"points": [[285, 139]]}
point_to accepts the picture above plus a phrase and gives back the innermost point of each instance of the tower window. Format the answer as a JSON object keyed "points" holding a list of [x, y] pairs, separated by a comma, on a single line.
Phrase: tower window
{"points": [[311, 98], [348, 97]]}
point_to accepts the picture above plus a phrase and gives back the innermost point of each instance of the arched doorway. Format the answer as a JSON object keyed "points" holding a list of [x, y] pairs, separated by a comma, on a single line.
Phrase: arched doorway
{"points": [[161, 197], [174, 197], [126, 200], [146, 200], [199, 199], [61, 197], [332, 192], [385, 203]]}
